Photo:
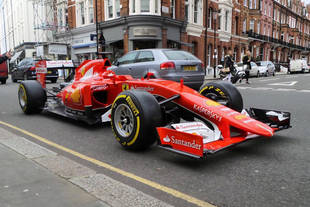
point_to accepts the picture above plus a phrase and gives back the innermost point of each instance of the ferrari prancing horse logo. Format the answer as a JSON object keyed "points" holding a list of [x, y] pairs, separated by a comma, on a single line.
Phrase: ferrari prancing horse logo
{"points": [[125, 87]]}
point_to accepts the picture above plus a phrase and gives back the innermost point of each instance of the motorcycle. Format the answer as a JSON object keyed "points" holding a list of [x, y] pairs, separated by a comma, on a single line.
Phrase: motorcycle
{"points": [[235, 74]]}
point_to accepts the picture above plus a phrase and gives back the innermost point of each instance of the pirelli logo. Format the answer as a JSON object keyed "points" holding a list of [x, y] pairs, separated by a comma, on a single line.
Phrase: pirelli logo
{"points": [[132, 106]]}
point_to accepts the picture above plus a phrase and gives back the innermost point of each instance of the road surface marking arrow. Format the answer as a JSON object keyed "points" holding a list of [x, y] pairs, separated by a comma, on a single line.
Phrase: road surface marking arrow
{"points": [[290, 83]]}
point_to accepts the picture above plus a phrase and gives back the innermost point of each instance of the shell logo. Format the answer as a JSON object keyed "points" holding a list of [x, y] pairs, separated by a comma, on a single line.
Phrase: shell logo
{"points": [[82, 71], [76, 96], [240, 116], [212, 103]]}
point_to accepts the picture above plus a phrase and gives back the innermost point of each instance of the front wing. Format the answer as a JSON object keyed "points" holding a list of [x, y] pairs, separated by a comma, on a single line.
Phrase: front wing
{"points": [[197, 146]]}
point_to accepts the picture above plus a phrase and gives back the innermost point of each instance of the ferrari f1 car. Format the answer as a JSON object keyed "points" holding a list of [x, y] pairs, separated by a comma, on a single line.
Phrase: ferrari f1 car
{"points": [[144, 111]]}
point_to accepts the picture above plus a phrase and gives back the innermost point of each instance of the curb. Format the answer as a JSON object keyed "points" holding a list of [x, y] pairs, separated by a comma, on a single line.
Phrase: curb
{"points": [[110, 191]]}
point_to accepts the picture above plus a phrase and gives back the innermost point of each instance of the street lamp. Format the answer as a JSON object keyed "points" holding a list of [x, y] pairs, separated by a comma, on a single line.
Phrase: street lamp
{"points": [[215, 14]]}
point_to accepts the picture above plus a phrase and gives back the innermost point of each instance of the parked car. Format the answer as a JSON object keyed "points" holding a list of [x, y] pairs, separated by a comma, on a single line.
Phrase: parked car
{"points": [[3, 72], [167, 64], [266, 68], [254, 68], [26, 70], [299, 65]]}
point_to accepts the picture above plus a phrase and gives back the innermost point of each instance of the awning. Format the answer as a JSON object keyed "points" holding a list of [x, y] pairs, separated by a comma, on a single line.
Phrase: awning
{"points": [[15, 56], [91, 44]]}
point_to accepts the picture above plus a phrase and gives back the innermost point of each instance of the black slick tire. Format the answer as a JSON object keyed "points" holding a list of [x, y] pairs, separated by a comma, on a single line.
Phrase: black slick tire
{"points": [[31, 97], [223, 90], [135, 115]]}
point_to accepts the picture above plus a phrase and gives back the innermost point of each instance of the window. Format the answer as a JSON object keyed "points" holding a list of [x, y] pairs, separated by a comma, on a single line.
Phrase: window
{"points": [[186, 10], [255, 6], [245, 3], [250, 4], [143, 6], [226, 20], [112, 9], [60, 17], [172, 8], [270, 10], [258, 27], [244, 26], [252, 25], [237, 25], [195, 11], [91, 12], [145, 56], [210, 18], [178, 55], [128, 58], [82, 13]]}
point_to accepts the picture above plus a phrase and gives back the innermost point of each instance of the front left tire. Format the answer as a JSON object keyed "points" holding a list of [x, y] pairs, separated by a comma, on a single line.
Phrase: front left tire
{"points": [[134, 117]]}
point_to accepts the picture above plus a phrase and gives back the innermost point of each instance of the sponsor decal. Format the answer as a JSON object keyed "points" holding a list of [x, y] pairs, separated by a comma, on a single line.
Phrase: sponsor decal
{"points": [[240, 116], [76, 96], [148, 88], [208, 112], [132, 106], [125, 87], [190, 144], [212, 103], [100, 88]]}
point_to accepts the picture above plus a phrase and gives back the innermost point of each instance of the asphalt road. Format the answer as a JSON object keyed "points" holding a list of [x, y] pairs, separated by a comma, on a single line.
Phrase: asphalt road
{"points": [[262, 172]]}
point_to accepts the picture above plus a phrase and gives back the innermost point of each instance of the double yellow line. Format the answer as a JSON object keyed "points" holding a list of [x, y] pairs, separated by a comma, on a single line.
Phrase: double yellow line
{"points": [[152, 184]]}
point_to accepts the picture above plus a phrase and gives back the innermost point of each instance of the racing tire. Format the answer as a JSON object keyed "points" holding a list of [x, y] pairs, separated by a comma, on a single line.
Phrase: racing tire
{"points": [[31, 97], [223, 91], [135, 115]]}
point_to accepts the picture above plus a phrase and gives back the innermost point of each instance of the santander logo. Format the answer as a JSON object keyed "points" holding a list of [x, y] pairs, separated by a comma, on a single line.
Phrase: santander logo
{"points": [[190, 144]]}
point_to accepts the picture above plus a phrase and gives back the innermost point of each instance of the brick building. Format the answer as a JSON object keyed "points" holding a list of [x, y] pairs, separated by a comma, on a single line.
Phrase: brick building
{"points": [[272, 29]]}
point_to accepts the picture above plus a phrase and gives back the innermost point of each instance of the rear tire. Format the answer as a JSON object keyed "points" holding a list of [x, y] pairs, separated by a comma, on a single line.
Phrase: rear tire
{"points": [[134, 117], [225, 91], [31, 96]]}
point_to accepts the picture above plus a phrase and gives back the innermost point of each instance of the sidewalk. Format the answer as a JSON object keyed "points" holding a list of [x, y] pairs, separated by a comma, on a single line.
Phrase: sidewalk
{"points": [[26, 184], [210, 77], [34, 176]]}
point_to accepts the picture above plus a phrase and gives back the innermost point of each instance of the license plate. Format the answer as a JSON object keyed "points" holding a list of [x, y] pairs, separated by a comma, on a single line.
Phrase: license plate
{"points": [[49, 72], [190, 68]]}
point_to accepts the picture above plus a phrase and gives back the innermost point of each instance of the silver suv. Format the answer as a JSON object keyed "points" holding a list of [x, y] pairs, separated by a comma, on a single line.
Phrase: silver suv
{"points": [[167, 64]]}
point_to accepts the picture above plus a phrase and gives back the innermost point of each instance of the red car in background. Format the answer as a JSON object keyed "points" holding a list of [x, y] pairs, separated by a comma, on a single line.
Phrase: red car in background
{"points": [[3, 72]]}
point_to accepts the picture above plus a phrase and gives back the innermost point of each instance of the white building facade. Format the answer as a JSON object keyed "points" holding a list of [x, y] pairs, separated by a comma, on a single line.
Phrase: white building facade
{"points": [[24, 22]]}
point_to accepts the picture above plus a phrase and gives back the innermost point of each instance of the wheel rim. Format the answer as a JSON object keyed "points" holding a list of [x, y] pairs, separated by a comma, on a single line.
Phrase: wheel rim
{"points": [[22, 97], [124, 120]]}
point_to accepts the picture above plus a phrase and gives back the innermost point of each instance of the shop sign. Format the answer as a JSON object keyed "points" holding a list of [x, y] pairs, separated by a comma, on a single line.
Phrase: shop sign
{"points": [[145, 31], [57, 49]]}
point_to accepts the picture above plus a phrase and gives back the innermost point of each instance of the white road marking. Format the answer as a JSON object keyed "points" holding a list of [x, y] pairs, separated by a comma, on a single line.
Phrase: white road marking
{"points": [[275, 89], [284, 89], [268, 79], [290, 83]]}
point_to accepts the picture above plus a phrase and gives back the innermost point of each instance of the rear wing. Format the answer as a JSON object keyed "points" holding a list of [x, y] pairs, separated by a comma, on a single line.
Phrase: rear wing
{"points": [[43, 65]]}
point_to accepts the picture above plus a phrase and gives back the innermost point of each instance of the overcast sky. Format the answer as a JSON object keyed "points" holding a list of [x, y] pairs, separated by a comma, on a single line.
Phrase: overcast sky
{"points": [[306, 1]]}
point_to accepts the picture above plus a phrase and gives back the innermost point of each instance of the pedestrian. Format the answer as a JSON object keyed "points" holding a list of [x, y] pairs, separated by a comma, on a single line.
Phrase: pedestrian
{"points": [[7, 56], [228, 65], [246, 60]]}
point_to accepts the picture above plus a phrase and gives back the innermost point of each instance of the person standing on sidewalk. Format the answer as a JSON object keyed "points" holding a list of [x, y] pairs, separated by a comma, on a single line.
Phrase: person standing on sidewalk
{"points": [[5, 57], [246, 60], [228, 65]]}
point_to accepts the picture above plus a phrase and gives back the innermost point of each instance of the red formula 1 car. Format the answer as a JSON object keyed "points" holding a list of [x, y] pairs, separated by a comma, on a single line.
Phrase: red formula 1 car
{"points": [[143, 111]]}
